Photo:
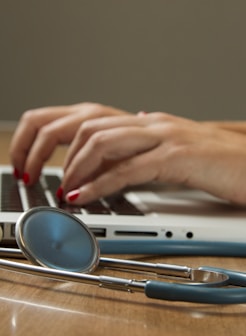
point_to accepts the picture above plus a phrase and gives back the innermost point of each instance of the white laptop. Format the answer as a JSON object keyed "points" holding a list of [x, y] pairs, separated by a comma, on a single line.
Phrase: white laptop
{"points": [[156, 219]]}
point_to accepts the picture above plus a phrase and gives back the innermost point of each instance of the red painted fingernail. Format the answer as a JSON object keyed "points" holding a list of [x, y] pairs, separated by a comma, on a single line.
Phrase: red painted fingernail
{"points": [[26, 178], [16, 173], [59, 193], [72, 195]]}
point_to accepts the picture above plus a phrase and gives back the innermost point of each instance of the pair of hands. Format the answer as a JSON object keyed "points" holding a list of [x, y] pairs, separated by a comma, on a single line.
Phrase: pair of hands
{"points": [[111, 149]]}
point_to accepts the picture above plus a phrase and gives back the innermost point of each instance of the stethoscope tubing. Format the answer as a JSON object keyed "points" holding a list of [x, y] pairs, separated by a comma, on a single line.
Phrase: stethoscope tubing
{"points": [[208, 295], [173, 247]]}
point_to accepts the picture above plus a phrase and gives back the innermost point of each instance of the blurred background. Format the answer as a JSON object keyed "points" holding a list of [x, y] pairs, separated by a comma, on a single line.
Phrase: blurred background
{"points": [[186, 57]]}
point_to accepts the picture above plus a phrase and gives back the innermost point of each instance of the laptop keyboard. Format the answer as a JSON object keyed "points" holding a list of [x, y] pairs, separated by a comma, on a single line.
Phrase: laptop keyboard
{"points": [[37, 196]]}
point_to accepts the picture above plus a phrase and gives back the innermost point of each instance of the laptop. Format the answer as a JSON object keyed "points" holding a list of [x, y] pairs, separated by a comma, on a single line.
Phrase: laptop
{"points": [[152, 218]]}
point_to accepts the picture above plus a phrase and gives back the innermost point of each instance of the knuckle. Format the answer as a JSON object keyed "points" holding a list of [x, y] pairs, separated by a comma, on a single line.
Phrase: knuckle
{"points": [[28, 116], [46, 132], [163, 117], [99, 140], [86, 129], [34, 116], [92, 108]]}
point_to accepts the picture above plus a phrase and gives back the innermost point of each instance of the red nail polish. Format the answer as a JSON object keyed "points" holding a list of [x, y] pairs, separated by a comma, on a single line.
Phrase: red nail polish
{"points": [[59, 193], [16, 173], [26, 178], [73, 195]]}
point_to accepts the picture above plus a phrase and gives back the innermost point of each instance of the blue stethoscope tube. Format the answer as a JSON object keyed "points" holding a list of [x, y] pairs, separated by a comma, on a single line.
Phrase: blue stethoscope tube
{"points": [[179, 292], [173, 247]]}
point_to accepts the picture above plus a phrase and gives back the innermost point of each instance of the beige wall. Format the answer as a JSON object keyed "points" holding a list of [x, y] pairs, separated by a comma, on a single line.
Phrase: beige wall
{"points": [[182, 56]]}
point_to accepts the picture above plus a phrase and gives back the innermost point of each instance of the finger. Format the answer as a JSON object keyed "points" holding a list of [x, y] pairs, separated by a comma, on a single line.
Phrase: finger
{"points": [[92, 126], [27, 130], [60, 131], [127, 173], [107, 145]]}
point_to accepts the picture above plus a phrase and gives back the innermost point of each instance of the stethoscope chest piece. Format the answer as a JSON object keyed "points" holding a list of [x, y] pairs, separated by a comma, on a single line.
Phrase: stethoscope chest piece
{"points": [[50, 238]]}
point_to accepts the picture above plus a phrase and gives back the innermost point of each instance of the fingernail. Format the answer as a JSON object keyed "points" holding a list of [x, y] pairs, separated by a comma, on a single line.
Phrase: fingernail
{"points": [[72, 195], [26, 178], [141, 113], [16, 173], [59, 193]]}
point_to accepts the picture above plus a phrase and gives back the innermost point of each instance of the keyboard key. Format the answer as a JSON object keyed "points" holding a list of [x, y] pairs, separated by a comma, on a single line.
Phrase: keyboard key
{"points": [[97, 208], [73, 209], [53, 183], [121, 206], [36, 196]]}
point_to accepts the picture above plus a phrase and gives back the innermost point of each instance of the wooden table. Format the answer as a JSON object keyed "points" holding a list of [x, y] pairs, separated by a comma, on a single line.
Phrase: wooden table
{"points": [[32, 305]]}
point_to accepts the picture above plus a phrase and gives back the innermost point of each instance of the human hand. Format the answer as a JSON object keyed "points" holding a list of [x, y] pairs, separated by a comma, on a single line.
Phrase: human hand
{"points": [[41, 130], [109, 154]]}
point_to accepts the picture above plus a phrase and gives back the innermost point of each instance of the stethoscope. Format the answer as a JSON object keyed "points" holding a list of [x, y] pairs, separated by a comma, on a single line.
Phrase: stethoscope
{"points": [[62, 247]]}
